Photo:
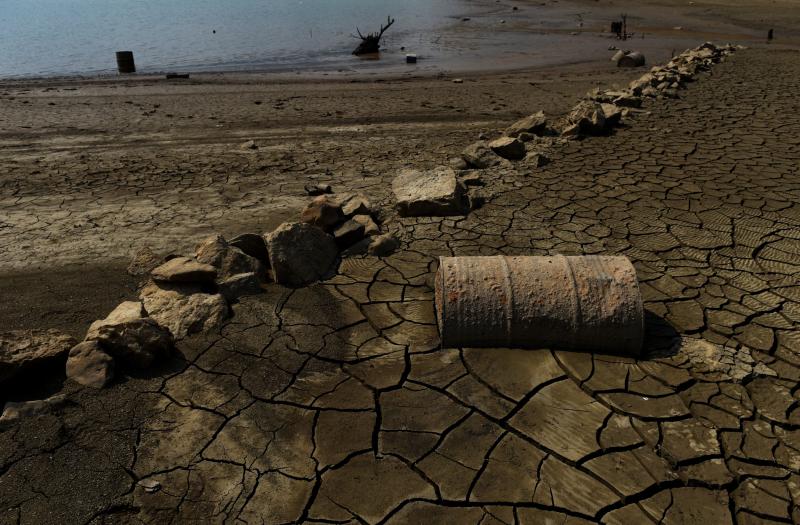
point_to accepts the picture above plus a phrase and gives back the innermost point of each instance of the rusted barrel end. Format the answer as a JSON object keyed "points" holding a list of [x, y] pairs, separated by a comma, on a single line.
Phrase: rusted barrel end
{"points": [[125, 62], [575, 303]]}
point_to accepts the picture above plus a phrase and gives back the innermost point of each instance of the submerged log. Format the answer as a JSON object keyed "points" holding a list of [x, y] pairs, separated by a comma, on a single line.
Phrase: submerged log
{"points": [[371, 43]]}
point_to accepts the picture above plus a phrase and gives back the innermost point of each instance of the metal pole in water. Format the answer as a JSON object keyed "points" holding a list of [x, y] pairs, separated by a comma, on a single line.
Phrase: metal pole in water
{"points": [[125, 62]]}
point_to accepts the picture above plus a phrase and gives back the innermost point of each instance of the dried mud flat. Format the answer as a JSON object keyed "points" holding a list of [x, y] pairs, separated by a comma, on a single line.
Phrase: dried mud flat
{"points": [[335, 404]]}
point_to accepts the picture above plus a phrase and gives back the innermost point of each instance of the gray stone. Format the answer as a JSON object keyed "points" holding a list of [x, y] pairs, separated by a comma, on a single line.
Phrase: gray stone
{"points": [[23, 350], [227, 259], [323, 212], [508, 148], [89, 365], [14, 411], [356, 205], [370, 226], [301, 253], [535, 124], [383, 245], [124, 313], [435, 192], [240, 285], [589, 118], [612, 114], [135, 343], [537, 159], [253, 245], [184, 270], [479, 155], [348, 234], [183, 310], [318, 189]]}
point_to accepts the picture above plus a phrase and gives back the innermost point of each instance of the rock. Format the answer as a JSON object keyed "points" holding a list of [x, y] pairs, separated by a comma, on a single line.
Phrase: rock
{"points": [[479, 155], [24, 350], [472, 178], [612, 114], [356, 205], [323, 212], [124, 313], [249, 144], [383, 245], [435, 192], [183, 309], [135, 343], [535, 124], [589, 118], [370, 226], [228, 260], [14, 411], [508, 148], [318, 189], [150, 486], [458, 164], [143, 262], [240, 285], [348, 234], [184, 270], [537, 159], [300, 253], [253, 245], [89, 365], [633, 59], [571, 131]]}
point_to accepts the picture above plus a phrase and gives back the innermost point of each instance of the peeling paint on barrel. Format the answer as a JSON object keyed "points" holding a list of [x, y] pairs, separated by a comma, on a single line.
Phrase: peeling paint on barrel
{"points": [[578, 303]]}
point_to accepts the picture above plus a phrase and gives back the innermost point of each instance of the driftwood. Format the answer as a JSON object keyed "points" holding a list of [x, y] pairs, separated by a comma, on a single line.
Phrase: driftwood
{"points": [[371, 43]]}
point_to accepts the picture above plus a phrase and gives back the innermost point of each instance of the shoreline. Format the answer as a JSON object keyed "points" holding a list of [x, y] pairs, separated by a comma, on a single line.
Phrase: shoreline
{"points": [[503, 37]]}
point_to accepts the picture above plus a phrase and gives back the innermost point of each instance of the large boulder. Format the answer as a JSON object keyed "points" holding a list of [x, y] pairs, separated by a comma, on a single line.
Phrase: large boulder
{"points": [[535, 124], [184, 270], [436, 192], [183, 309], [227, 259], [479, 155], [300, 253], [324, 212], [588, 117], [137, 343], [89, 365], [508, 148], [25, 350], [124, 313]]}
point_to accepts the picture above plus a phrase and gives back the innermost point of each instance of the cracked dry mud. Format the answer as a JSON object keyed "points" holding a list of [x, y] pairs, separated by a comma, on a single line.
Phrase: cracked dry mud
{"points": [[335, 404]]}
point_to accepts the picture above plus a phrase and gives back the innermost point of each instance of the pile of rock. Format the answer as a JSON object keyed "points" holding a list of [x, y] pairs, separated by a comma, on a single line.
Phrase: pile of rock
{"points": [[525, 140], [664, 81], [349, 224], [605, 109]]}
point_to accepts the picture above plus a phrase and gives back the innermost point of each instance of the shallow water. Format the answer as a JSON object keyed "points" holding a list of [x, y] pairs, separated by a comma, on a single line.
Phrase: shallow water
{"points": [[61, 37]]}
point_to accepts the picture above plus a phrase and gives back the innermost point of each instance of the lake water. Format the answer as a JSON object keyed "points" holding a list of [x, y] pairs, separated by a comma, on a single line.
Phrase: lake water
{"points": [[65, 37]]}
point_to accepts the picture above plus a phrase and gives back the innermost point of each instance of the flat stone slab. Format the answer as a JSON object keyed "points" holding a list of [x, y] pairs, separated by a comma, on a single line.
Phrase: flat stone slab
{"points": [[436, 192]]}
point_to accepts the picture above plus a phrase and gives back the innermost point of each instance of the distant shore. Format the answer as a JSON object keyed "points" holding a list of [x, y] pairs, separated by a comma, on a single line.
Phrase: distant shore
{"points": [[517, 35]]}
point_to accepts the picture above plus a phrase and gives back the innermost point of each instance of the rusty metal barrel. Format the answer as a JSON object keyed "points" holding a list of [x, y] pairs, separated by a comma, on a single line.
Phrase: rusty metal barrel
{"points": [[573, 303], [125, 62]]}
